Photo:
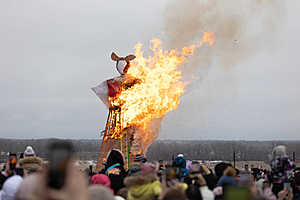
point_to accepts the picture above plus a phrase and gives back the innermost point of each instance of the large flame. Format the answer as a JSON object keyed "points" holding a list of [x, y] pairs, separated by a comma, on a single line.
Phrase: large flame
{"points": [[159, 86]]}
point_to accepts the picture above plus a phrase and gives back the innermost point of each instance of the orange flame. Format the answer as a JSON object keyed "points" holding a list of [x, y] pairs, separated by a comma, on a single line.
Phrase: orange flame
{"points": [[160, 84]]}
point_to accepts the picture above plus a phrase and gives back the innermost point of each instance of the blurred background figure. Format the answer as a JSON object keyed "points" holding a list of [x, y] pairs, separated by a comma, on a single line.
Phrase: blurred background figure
{"points": [[281, 169]]}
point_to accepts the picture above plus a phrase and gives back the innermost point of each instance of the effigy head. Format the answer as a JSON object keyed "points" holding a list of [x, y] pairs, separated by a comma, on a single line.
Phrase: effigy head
{"points": [[123, 63]]}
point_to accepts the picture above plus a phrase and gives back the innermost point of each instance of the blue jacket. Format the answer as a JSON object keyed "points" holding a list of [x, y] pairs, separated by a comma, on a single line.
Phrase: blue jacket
{"points": [[226, 180]]}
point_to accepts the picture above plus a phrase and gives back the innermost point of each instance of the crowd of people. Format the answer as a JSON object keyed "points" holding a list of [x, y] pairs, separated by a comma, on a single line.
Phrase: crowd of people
{"points": [[28, 177]]}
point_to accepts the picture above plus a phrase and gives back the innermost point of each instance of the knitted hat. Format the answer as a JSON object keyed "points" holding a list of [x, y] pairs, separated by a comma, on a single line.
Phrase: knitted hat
{"points": [[147, 168], [139, 158], [29, 152], [101, 179], [180, 155]]}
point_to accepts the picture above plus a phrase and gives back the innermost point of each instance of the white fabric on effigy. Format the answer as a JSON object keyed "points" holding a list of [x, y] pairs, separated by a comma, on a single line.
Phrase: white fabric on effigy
{"points": [[102, 92]]}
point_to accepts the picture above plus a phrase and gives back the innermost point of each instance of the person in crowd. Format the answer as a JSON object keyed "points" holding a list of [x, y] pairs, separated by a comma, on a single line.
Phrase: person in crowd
{"points": [[99, 192], [114, 169], [9, 170], [10, 187], [146, 186], [197, 184], [198, 189], [209, 177], [180, 164], [68, 183], [161, 169], [29, 152], [135, 168], [281, 169], [123, 193], [5, 174], [30, 163], [297, 186], [175, 192], [101, 179], [220, 168], [228, 178]]}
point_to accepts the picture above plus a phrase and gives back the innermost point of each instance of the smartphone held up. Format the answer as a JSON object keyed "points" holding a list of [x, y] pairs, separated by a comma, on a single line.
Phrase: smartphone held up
{"points": [[60, 154]]}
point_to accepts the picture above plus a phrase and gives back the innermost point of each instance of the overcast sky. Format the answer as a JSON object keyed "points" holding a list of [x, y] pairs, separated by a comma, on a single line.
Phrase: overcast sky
{"points": [[53, 51]]}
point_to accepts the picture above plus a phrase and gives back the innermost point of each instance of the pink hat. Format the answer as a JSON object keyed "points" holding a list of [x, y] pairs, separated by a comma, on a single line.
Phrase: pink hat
{"points": [[100, 179], [147, 168]]}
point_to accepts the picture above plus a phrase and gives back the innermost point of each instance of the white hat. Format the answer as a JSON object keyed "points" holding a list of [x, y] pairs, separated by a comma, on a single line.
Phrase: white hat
{"points": [[29, 152], [180, 155]]}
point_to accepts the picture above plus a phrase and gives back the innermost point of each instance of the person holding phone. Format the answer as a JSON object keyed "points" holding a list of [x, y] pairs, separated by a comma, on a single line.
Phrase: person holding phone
{"points": [[13, 180], [29, 162], [61, 179], [281, 169], [9, 169]]}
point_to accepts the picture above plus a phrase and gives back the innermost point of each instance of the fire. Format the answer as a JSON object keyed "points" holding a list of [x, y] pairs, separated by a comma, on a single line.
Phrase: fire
{"points": [[159, 86]]}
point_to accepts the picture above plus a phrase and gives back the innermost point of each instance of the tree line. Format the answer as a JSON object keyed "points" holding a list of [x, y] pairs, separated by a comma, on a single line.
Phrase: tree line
{"points": [[165, 149]]}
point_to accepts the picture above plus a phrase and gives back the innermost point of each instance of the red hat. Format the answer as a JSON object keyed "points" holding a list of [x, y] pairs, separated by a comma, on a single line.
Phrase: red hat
{"points": [[101, 179]]}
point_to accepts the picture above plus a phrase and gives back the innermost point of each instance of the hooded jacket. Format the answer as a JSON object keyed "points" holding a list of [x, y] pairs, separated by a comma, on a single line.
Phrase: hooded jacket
{"points": [[31, 164], [114, 169], [10, 187], [180, 163], [143, 188]]}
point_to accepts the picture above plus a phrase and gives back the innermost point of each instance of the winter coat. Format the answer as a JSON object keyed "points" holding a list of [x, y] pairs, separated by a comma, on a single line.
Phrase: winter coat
{"points": [[31, 164], [282, 169], [226, 180], [114, 169], [143, 188], [180, 163], [135, 170]]}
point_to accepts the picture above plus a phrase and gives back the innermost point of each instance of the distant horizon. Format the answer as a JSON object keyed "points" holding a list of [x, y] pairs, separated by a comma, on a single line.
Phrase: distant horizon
{"points": [[229, 140]]}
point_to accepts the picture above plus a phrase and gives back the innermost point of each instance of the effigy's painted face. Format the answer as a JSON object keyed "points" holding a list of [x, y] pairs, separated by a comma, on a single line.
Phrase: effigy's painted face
{"points": [[122, 66]]}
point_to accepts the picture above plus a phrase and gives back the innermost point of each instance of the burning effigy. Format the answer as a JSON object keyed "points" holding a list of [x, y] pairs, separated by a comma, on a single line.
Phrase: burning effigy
{"points": [[147, 89]]}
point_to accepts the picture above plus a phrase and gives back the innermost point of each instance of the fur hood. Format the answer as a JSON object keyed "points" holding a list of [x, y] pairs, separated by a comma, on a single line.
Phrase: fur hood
{"points": [[31, 163], [139, 180]]}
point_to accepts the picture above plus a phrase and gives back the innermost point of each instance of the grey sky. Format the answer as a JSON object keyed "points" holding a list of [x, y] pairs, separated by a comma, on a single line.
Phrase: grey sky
{"points": [[53, 51]]}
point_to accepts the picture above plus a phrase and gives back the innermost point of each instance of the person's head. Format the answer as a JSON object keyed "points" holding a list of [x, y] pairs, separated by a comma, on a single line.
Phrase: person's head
{"points": [[148, 168], [279, 151], [139, 158], [230, 171], [29, 152], [10, 187], [100, 179], [175, 192], [180, 155], [220, 168], [96, 192], [115, 156]]}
